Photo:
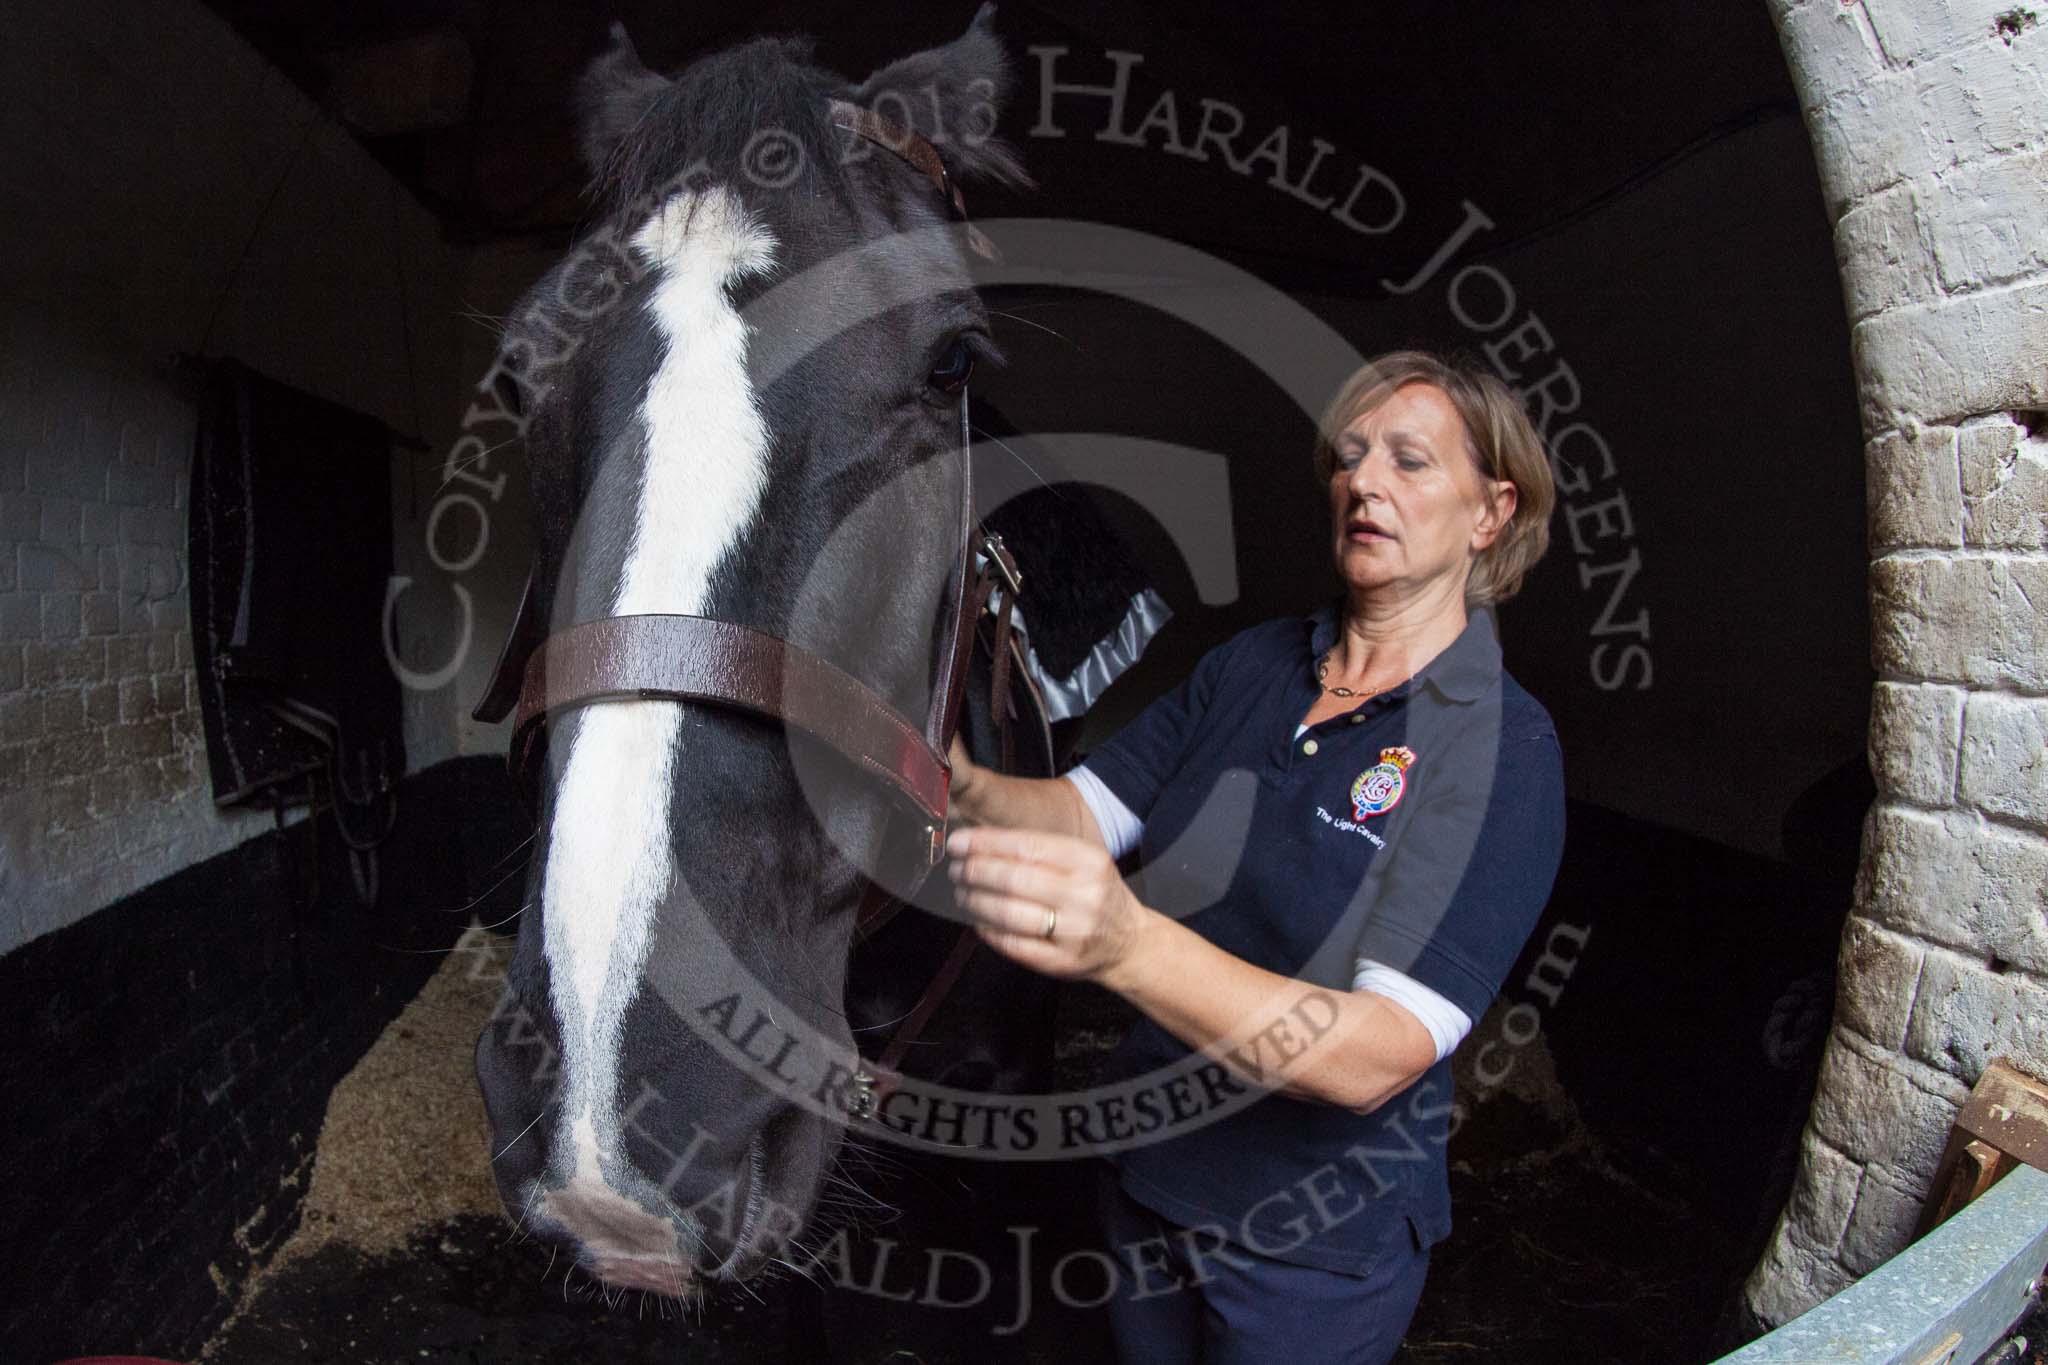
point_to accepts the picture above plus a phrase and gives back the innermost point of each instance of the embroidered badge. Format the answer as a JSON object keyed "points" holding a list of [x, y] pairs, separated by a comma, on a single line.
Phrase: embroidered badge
{"points": [[1378, 789]]}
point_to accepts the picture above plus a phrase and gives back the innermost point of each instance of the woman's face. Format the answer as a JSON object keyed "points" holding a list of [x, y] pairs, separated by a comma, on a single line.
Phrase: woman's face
{"points": [[1409, 509]]}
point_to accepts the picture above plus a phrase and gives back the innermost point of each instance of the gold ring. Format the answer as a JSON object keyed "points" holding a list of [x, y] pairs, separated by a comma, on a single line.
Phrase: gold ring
{"points": [[1052, 921]]}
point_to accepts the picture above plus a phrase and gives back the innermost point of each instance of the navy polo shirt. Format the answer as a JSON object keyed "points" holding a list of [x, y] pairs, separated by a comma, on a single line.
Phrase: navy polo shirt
{"points": [[1422, 830]]}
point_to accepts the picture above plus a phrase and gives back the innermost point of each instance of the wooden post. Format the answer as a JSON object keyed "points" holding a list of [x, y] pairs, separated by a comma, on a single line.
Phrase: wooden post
{"points": [[2001, 1125]]}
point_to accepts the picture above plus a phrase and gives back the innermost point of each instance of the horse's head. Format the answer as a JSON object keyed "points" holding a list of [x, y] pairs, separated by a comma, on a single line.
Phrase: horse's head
{"points": [[739, 396]]}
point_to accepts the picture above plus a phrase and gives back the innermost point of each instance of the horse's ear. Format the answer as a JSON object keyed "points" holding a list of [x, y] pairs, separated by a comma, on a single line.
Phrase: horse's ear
{"points": [[611, 96], [952, 95]]}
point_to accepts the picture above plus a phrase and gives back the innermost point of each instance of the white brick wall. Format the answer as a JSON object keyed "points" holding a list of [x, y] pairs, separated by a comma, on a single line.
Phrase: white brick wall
{"points": [[101, 762], [1930, 124], [142, 146]]}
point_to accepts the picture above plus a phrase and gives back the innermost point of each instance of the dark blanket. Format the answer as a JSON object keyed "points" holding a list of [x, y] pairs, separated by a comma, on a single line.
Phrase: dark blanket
{"points": [[1079, 576], [290, 542]]}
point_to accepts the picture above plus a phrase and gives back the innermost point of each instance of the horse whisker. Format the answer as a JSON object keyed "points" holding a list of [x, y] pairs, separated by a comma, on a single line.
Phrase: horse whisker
{"points": [[509, 918], [1029, 468], [1016, 317], [523, 1131]]}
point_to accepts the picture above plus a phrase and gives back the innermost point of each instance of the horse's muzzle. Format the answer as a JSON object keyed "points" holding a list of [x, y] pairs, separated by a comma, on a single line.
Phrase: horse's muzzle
{"points": [[616, 1239]]}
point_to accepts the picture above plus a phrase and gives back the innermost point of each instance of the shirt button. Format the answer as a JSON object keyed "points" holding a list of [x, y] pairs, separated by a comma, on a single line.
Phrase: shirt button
{"points": [[1357, 718], [1308, 746]]}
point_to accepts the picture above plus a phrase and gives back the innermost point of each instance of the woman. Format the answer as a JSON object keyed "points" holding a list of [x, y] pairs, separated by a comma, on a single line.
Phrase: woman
{"points": [[1348, 826]]}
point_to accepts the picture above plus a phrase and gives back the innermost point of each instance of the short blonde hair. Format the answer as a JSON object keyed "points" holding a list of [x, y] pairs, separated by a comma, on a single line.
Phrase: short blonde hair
{"points": [[1499, 437]]}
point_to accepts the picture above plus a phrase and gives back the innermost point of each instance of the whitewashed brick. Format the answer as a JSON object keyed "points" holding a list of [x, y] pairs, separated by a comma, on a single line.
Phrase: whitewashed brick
{"points": [[1873, 1111], [1793, 1276], [99, 524], [1955, 879], [1830, 48], [100, 613], [21, 516], [21, 719], [60, 616], [1865, 141], [1882, 247], [1942, 362], [2005, 486], [1992, 226], [1915, 490], [49, 568], [21, 616], [1915, 741], [1986, 96], [1965, 1014], [1911, 31], [1879, 970], [1824, 1193], [1899, 123], [2004, 767], [1968, 618], [60, 522], [1887, 1210]]}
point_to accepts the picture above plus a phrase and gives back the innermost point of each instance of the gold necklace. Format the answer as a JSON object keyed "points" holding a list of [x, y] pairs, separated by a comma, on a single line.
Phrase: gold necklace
{"points": [[1323, 671]]}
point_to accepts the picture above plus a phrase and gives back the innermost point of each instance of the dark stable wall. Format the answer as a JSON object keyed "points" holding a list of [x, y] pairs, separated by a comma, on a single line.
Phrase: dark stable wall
{"points": [[170, 1060]]}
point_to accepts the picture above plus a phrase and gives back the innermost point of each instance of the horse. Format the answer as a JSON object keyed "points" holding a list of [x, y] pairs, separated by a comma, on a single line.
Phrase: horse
{"points": [[743, 402]]}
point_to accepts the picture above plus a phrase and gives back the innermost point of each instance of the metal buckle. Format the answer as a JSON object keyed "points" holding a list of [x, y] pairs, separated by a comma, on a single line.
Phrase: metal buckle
{"points": [[1006, 565], [935, 844], [862, 1100]]}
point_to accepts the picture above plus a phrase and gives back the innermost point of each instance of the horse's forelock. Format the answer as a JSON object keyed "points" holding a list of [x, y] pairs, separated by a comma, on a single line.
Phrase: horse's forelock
{"points": [[718, 119]]}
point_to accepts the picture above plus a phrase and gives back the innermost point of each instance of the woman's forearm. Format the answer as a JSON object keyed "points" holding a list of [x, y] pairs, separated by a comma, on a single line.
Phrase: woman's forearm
{"points": [[1346, 1048]]}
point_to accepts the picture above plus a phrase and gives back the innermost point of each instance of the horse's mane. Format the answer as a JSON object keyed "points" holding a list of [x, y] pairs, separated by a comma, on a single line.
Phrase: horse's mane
{"points": [[719, 112]]}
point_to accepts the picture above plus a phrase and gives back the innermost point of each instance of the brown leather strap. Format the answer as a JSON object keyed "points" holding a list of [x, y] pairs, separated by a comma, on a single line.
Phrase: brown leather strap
{"points": [[908, 144], [696, 659], [921, 1014], [509, 673], [878, 905], [999, 699], [949, 688], [1042, 731], [1002, 706]]}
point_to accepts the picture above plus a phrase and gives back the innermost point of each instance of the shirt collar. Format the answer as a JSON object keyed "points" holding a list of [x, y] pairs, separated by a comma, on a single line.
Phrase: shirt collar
{"points": [[1463, 672]]}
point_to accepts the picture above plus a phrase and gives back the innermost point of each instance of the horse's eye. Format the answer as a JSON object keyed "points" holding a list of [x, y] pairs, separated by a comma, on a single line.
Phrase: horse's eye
{"points": [[954, 368]]}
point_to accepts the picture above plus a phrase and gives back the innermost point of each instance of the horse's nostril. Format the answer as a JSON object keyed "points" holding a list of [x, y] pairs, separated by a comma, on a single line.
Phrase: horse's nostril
{"points": [[613, 1230]]}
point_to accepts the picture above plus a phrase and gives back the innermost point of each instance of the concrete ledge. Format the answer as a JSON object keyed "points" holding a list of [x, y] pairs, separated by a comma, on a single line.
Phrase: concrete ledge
{"points": [[1968, 1279]]}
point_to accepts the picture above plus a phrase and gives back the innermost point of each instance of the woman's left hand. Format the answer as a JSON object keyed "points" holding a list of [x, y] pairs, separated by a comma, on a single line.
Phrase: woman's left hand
{"points": [[1054, 903]]}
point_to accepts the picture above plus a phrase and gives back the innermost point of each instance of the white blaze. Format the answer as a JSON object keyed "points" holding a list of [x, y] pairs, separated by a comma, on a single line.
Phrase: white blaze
{"points": [[609, 858]]}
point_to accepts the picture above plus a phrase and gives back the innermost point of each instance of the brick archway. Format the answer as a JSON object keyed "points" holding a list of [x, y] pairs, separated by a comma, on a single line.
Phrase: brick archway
{"points": [[1930, 129]]}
